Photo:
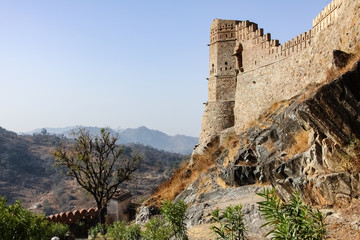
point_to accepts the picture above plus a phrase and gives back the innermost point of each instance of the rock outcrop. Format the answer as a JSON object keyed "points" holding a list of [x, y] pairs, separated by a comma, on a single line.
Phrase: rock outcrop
{"points": [[310, 144], [281, 115]]}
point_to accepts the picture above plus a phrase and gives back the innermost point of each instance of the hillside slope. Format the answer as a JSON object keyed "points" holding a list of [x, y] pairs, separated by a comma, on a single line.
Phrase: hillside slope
{"points": [[27, 173]]}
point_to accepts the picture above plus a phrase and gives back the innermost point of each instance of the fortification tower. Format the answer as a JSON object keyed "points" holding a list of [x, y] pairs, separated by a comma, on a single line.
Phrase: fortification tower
{"points": [[219, 110]]}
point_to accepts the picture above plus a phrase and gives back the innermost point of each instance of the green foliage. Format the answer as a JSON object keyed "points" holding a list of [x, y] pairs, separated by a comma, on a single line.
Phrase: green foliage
{"points": [[98, 228], [58, 229], [174, 214], [293, 220], [157, 229], [19, 223], [168, 226], [120, 231], [231, 223]]}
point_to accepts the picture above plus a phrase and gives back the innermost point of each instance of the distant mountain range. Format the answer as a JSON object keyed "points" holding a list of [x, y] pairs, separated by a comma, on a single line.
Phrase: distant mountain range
{"points": [[142, 135], [27, 172]]}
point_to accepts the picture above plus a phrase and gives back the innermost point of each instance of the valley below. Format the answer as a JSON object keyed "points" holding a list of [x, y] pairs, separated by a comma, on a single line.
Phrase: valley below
{"points": [[27, 173]]}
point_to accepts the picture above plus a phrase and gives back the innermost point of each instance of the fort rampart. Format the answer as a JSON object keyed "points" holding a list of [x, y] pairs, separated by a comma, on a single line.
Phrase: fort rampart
{"points": [[249, 71]]}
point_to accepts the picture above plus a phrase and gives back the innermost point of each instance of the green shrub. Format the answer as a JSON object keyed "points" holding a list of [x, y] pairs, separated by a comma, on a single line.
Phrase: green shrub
{"points": [[19, 223], [157, 229], [231, 222], [292, 220], [98, 228], [168, 226], [174, 214], [120, 231], [58, 230]]}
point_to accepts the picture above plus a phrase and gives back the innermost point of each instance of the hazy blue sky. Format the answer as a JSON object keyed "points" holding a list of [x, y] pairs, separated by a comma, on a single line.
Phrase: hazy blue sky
{"points": [[120, 63]]}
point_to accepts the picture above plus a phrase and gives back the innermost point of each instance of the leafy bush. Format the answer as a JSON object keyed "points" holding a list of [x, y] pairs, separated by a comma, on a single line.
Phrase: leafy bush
{"points": [[174, 214], [98, 228], [120, 231], [231, 222], [19, 223], [157, 229], [168, 226], [59, 230], [292, 220]]}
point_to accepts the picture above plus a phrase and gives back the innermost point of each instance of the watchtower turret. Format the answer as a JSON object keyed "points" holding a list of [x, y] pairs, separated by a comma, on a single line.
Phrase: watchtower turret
{"points": [[221, 60], [219, 110]]}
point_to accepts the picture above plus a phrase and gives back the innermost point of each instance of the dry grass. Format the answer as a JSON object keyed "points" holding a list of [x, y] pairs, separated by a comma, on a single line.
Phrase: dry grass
{"points": [[205, 184], [301, 144], [333, 73], [349, 157], [185, 175], [172, 187], [222, 183], [265, 119], [269, 144], [354, 150], [275, 108], [232, 144], [308, 91]]}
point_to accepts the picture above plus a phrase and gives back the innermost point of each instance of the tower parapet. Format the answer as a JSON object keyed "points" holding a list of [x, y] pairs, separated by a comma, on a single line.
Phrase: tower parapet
{"points": [[326, 16], [222, 42], [222, 79], [249, 71]]}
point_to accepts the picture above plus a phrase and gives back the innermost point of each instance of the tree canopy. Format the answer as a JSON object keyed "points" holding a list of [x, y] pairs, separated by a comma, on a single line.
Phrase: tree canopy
{"points": [[98, 164]]}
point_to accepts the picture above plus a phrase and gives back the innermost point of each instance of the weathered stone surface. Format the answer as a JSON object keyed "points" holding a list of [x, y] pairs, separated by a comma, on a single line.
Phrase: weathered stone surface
{"points": [[200, 211], [310, 145], [293, 130], [245, 175], [325, 168], [341, 58], [143, 216], [254, 72]]}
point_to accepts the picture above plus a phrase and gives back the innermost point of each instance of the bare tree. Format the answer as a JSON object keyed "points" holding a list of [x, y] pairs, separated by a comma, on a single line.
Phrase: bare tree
{"points": [[98, 165]]}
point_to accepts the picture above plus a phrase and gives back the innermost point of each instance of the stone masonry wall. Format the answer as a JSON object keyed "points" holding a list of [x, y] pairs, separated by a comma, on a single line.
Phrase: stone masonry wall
{"points": [[217, 117], [265, 72], [273, 73]]}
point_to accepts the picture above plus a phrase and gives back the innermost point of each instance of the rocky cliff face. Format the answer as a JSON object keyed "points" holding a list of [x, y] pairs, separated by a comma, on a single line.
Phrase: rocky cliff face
{"points": [[310, 143], [293, 122]]}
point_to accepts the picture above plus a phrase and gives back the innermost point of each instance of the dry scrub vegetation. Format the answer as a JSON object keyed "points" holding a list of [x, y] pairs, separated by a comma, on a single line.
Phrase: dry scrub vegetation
{"points": [[300, 145], [265, 119], [350, 156], [186, 174], [333, 73]]}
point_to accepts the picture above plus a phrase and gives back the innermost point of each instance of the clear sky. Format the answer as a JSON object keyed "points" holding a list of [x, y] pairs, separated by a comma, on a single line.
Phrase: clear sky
{"points": [[121, 64]]}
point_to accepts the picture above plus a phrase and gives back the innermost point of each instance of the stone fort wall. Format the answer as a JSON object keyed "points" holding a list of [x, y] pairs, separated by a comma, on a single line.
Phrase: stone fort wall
{"points": [[249, 71]]}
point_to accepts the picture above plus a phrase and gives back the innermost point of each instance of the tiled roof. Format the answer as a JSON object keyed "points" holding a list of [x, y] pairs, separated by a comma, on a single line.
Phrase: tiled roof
{"points": [[74, 216], [121, 195]]}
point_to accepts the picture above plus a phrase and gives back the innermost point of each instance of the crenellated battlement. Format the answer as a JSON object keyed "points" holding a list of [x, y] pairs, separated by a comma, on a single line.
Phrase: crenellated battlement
{"points": [[222, 30], [249, 31], [326, 16], [295, 45], [249, 71]]}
